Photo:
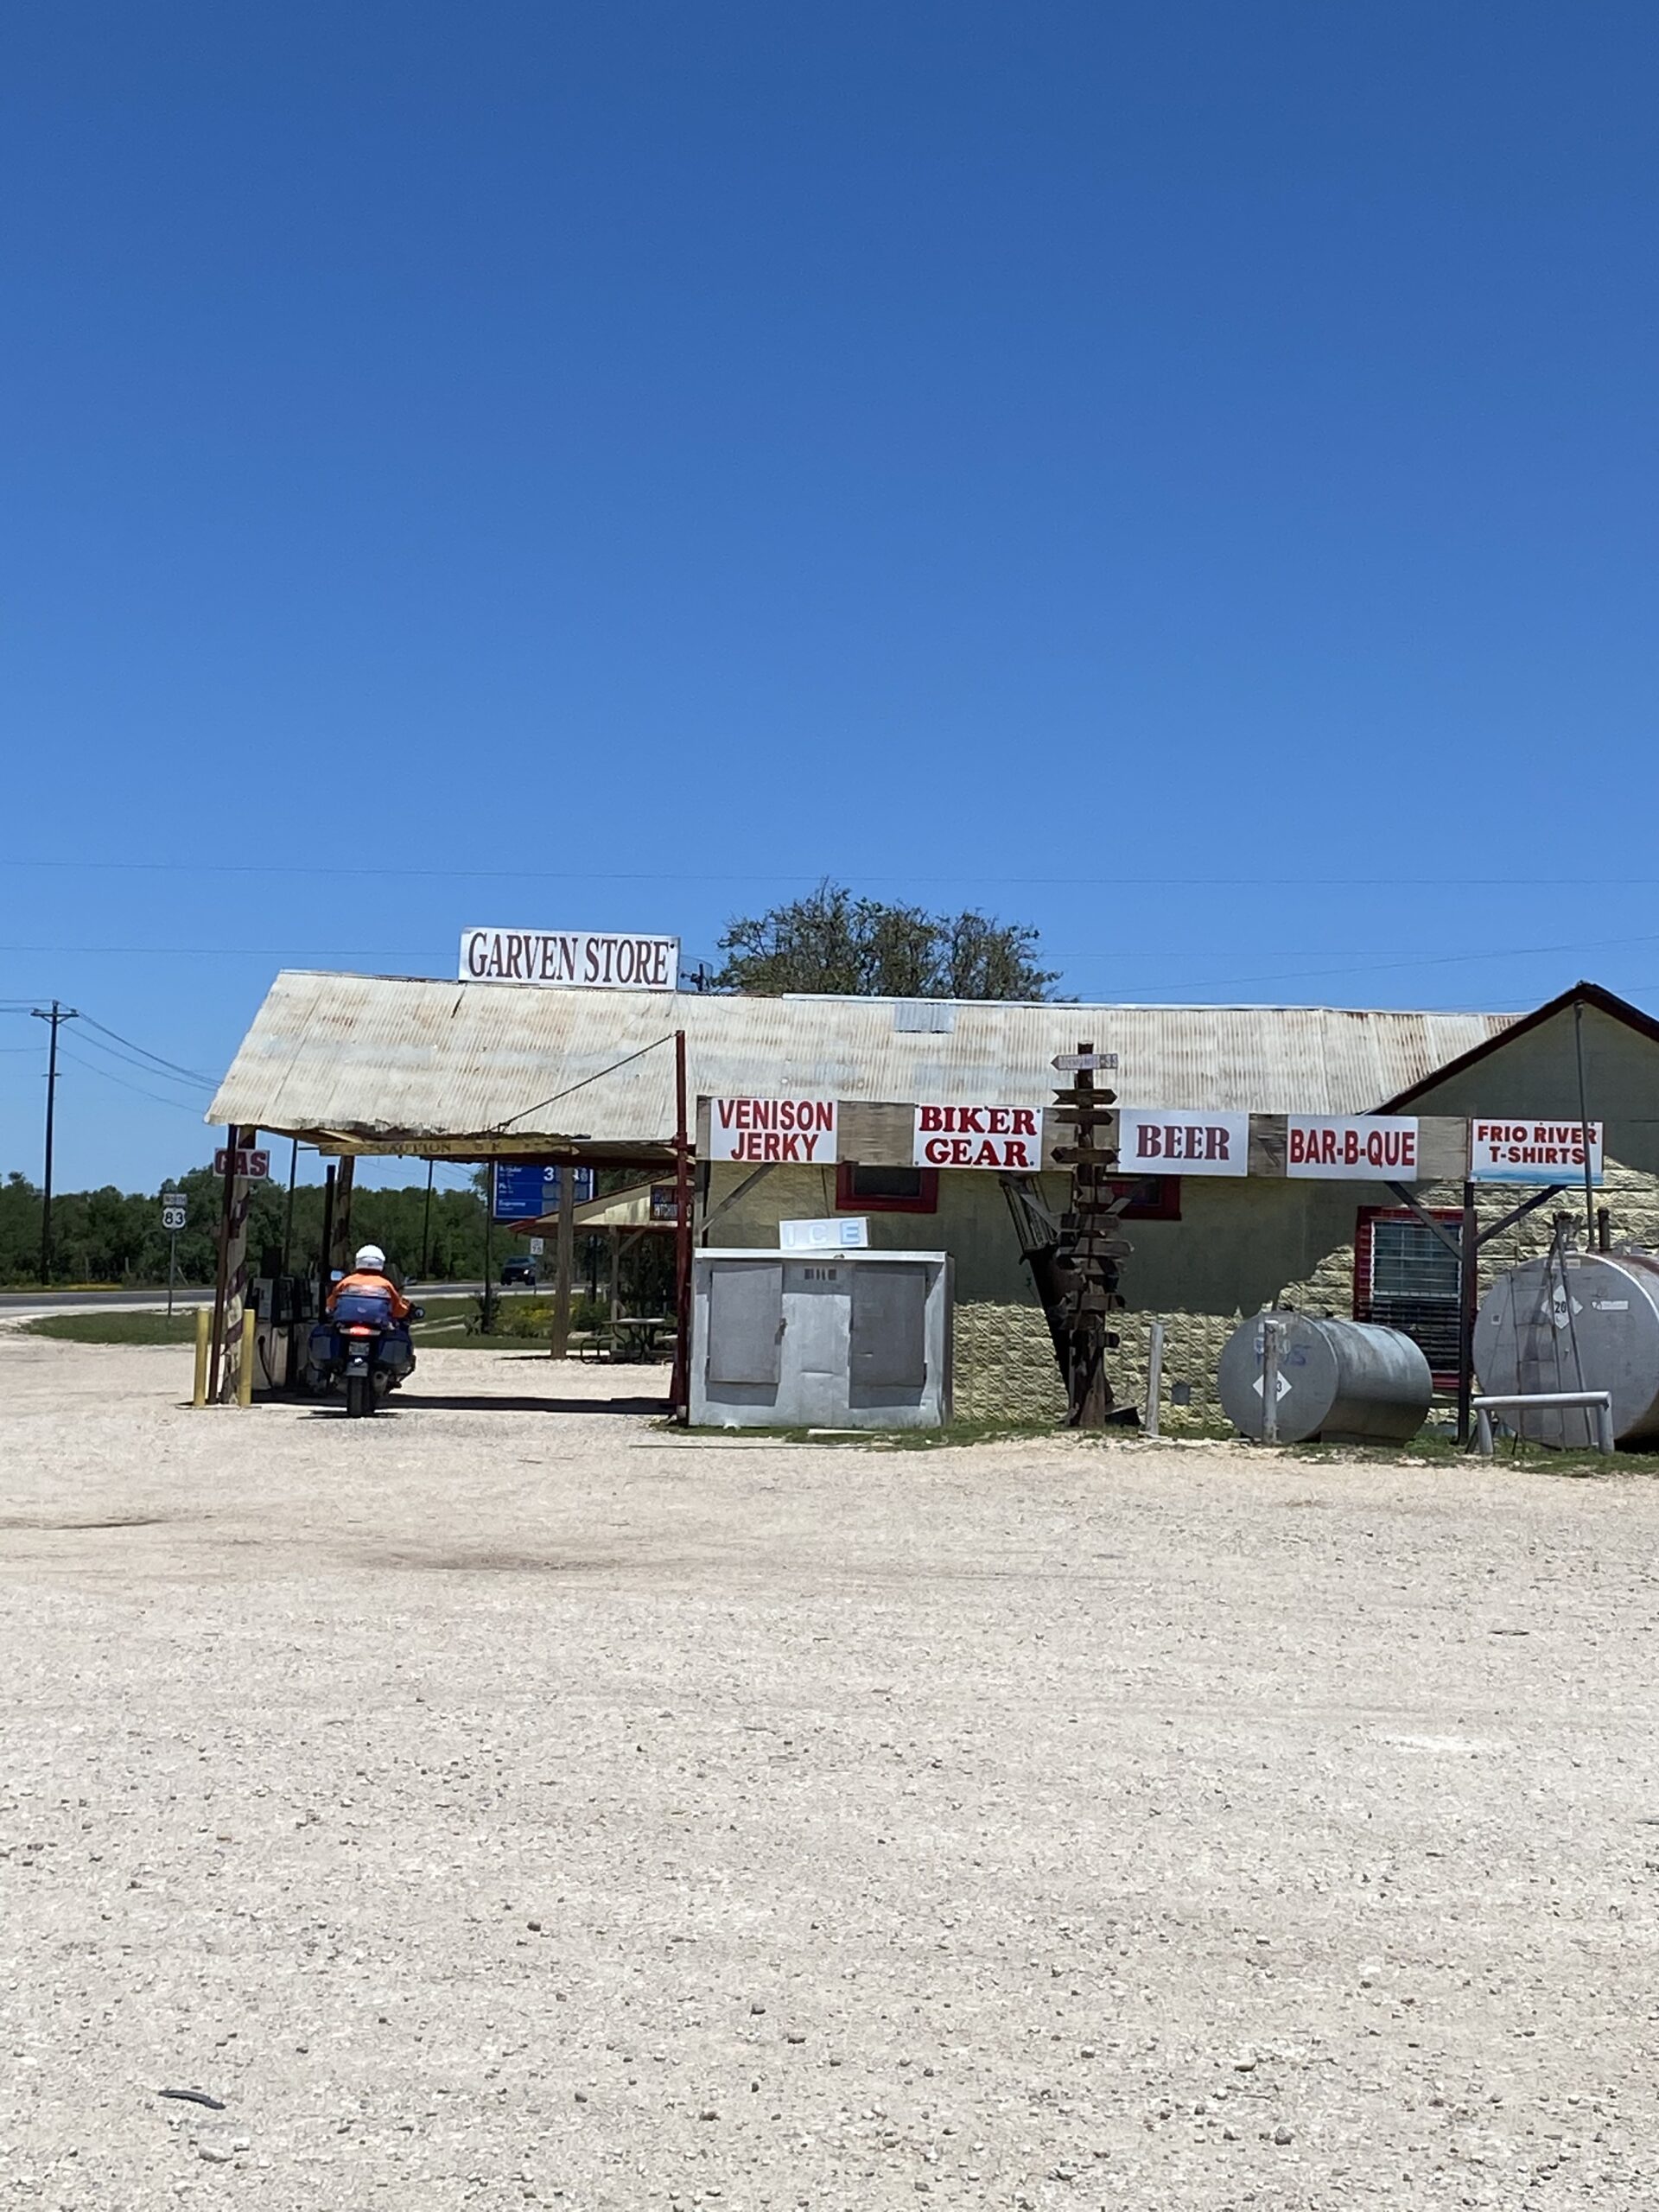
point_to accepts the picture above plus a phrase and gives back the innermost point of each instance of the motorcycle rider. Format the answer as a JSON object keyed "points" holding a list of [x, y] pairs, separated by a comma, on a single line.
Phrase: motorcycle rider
{"points": [[369, 1279]]}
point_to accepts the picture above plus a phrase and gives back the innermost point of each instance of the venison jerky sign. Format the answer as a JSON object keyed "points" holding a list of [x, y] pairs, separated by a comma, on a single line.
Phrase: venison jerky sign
{"points": [[773, 1130], [570, 959]]}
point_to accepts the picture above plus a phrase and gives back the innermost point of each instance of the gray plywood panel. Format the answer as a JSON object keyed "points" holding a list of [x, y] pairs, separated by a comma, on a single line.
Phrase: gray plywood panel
{"points": [[889, 1328], [745, 1322]]}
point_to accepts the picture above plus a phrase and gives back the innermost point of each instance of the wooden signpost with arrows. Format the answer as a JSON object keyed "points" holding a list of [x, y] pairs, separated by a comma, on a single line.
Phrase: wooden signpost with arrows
{"points": [[1084, 1269]]}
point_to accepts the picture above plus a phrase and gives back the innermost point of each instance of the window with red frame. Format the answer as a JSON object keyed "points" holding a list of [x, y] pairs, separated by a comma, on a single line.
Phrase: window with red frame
{"points": [[886, 1190], [1407, 1278], [1157, 1197]]}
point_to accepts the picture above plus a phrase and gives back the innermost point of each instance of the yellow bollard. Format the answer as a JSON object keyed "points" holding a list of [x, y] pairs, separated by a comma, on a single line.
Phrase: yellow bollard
{"points": [[245, 1377], [204, 1330]]}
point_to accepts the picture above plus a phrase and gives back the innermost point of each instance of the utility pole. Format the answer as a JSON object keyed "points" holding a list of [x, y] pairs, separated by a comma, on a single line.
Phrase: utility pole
{"points": [[57, 1016]]}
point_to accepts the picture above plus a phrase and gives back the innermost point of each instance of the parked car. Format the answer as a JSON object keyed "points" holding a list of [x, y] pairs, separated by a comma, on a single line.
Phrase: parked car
{"points": [[522, 1268]]}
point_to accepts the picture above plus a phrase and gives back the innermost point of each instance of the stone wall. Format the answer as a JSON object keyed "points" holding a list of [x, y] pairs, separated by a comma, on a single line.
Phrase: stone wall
{"points": [[1006, 1369], [1631, 1196]]}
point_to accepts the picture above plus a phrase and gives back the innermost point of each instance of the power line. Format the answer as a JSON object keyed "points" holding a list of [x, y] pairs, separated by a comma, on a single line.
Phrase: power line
{"points": [[180, 1105], [771, 875], [192, 1075], [127, 1059]]}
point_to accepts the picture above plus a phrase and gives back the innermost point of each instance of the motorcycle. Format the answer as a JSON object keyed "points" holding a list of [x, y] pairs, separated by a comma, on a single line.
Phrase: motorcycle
{"points": [[360, 1346]]}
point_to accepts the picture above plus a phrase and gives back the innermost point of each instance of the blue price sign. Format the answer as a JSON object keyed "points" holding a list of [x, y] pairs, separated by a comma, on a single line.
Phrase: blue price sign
{"points": [[525, 1189]]}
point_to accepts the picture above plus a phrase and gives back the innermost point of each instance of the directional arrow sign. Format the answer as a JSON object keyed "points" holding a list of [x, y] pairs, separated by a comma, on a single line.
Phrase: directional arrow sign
{"points": [[1284, 1386], [1067, 1061]]}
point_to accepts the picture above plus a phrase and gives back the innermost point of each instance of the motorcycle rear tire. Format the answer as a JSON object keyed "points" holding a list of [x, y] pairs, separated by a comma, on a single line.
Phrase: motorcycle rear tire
{"points": [[359, 1396]]}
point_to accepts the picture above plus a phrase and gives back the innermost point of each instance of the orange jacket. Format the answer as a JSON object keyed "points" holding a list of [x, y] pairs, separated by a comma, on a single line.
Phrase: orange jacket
{"points": [[367, 1285]]}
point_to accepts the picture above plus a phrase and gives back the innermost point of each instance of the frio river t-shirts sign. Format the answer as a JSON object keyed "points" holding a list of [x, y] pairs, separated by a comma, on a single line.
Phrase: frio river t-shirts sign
{"points": [[570, 959]]}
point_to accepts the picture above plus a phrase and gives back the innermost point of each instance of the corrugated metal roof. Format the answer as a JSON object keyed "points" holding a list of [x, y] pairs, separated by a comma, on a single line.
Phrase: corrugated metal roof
{"points": [[377, 1058]]}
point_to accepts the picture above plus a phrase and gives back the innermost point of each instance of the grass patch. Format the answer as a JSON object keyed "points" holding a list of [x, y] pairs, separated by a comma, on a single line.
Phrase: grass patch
{"points": [[116, 1328]]}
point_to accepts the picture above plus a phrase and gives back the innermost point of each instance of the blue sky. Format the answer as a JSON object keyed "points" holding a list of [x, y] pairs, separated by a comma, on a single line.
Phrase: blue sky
{"points": [[1181, 476]]}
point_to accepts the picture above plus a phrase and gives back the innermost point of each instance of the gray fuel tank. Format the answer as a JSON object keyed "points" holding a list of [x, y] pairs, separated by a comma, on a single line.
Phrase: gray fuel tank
{"points": [[1344, 1381], [1590, 1322]]}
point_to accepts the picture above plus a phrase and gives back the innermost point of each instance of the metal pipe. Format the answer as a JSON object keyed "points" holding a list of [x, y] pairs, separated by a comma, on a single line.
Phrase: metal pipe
{"points": [[1270, 1382], [1468, 1308], [1155, 1378], [1599, 1401], [1584, 1126]]}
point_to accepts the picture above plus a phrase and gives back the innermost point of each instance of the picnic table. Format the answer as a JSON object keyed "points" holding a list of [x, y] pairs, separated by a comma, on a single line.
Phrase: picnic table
{"points": [[638, 1336]]}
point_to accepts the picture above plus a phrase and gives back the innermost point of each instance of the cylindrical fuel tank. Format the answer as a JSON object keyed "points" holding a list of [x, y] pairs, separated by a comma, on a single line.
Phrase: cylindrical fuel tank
{"points": [[1587, 1321], [1344, 1381]]}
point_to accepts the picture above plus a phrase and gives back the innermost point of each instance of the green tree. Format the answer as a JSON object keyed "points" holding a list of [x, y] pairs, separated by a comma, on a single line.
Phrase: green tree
{"points": [[830, 941]]}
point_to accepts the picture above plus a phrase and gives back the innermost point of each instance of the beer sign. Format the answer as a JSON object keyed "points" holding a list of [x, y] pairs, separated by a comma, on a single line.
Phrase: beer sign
{"points": [[1174, 1141]]}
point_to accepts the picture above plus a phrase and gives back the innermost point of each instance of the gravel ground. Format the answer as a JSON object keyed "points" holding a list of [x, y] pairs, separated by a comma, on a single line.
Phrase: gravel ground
{"points": [[502, 1803]]}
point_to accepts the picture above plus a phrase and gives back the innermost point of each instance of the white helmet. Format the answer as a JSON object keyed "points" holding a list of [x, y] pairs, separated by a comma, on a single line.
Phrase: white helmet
{"points": [[371, 1255]]}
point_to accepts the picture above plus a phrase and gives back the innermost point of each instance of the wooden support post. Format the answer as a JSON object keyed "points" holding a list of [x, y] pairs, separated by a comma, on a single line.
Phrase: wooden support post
{"points": [[564, 1259], [342, 1251], [616, 1271], [680, 1389], [204, 1346], [222, 1259], [244, 1368]]}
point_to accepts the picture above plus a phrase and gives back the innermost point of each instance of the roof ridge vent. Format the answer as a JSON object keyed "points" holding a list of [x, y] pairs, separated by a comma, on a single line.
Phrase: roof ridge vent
{"points": [[925, 1017]]}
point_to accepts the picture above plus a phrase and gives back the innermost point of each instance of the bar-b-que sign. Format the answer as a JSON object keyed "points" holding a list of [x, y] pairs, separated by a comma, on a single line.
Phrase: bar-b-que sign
{"points": [[772, 1131], [1351, 1147]]}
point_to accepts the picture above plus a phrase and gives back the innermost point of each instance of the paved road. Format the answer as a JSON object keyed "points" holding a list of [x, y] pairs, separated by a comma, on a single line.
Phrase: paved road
{"points": [[99, 1302]]}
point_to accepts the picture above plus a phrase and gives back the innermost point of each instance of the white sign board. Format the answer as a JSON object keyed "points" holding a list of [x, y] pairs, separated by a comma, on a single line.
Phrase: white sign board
{"points": [[765, 1130], [570, 959], [1173, 1140], [1532, 1152], [1068, 1063], [1009, 1138], [848, 1234], [1351, 1147], [172, 1212]]}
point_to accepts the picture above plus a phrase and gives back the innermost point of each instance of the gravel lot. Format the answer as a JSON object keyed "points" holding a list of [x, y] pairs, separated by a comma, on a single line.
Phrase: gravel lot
{"points": [[500, 1803]]}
